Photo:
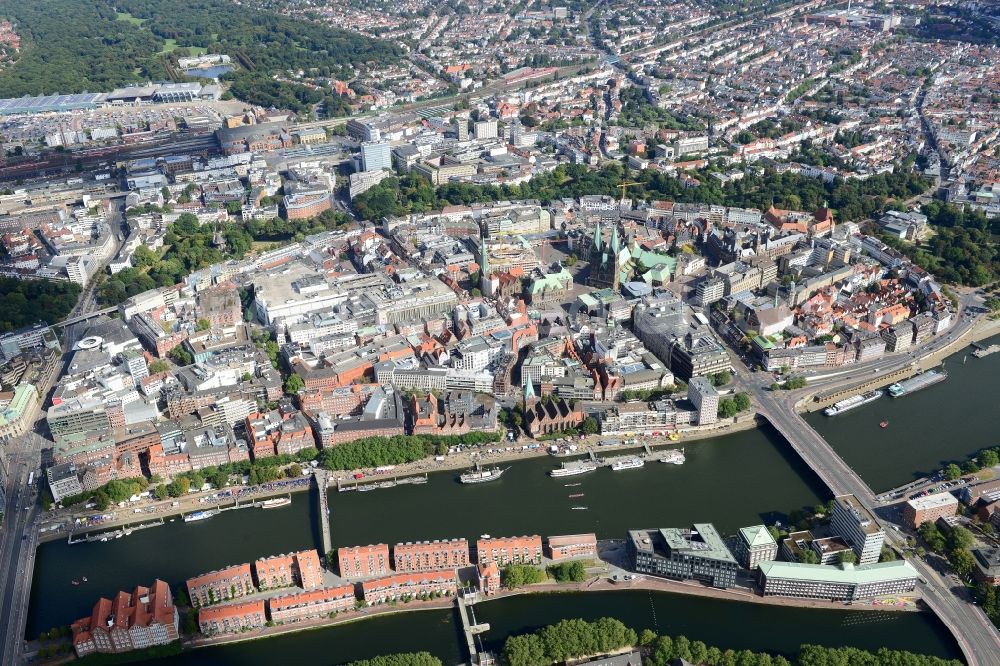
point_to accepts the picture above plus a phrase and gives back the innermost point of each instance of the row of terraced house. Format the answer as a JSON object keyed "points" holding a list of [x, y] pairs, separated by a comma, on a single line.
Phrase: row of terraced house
{"points": [[422, 570], [375, 559]]}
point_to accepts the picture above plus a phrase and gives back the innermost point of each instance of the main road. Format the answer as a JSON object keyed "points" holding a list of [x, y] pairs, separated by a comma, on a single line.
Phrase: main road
{"points": [[20, 528], [17, 552]]}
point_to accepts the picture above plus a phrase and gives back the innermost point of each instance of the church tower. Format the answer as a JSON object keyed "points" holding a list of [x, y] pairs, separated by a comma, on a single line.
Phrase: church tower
{"points": [[605, 259]]}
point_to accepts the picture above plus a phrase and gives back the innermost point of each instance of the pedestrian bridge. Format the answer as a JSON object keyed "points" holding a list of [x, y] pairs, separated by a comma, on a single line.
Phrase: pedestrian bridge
{"points": [[88, 315], [320, 476]]}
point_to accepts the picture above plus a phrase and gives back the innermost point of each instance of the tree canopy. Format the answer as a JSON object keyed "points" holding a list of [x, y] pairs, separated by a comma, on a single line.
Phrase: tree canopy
{"points": [[852, 199], [570, 639], [400, 659], [24, 302], [72, 46], [962, 249]]}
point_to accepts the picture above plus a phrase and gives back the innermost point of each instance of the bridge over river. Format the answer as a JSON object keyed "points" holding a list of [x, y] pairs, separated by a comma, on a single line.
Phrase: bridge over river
{"points": [[976, 635]]}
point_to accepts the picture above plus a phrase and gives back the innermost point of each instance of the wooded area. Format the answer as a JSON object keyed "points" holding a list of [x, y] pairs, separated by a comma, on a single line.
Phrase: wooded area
{"points": [[24, 302], [73, 46]]}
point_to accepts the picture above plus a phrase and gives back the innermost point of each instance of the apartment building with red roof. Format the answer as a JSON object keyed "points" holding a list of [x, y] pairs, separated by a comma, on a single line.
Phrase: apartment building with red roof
{"points": [[231, 618], [409, 585], [311, 604], [222, 585], [364, 561], [283, 570], [131, 621], [430, 555], [510, 550]]}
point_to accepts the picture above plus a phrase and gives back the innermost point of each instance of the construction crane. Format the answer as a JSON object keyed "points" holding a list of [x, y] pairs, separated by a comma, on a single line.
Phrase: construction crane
{"points": [[623, 186]]}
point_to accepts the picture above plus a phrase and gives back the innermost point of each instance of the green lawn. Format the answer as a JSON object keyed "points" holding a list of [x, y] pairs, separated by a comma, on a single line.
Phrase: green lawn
{"points": [[128, 18], [171, 44]]}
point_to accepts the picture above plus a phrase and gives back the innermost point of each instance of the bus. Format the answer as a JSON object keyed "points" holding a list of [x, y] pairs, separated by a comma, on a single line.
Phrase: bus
{"points": [[31, 479]]}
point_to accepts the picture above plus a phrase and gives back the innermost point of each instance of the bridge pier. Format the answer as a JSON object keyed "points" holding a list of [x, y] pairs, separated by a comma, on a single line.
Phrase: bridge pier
{"points": [[324, 512]]}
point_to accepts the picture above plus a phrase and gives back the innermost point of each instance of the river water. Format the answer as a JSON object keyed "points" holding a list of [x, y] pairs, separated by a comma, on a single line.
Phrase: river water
{"points": [[725, 624], [740, 479], [928, 429]]}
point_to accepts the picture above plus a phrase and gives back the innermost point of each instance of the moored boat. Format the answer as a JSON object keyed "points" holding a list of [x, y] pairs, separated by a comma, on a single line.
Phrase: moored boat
{"points": [[853, 402], [630, 462], [573, 468], [480, 475]]}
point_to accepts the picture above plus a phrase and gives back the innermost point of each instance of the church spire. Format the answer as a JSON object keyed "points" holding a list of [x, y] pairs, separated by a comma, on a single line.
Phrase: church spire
{"points": [[615, 247], [529, 388], [597, 236]]}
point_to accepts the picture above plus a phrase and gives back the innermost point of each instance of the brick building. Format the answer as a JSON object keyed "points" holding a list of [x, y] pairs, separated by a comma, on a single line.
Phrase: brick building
{"points": [[131, 621], [571, 546], [231, 618], [220, 305], [302, 568], [311, 604], [489, 578], [430, 555], [507, 550], [929, 508], [364, 561], [398, 586], [222, 585]]}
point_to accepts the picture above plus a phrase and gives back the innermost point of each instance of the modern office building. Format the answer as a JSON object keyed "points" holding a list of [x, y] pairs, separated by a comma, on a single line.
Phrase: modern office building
{"points": [[74, 419], [755, 545], [695, 554], [705, 399], [64, 481], [856, 525], [486, 129], [929, 508], [376, 156], [844, 582], [303, 205], [709, 290]]}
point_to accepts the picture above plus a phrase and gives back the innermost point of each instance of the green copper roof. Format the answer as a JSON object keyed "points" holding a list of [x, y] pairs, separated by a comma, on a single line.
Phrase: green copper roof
{"points": [[843, 573], [756, 536]]}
